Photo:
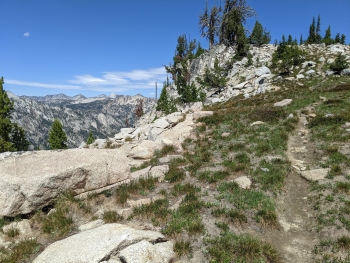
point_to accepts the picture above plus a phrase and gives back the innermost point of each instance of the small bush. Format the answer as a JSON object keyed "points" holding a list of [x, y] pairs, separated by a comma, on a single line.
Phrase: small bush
{"points": [[339, 64]]}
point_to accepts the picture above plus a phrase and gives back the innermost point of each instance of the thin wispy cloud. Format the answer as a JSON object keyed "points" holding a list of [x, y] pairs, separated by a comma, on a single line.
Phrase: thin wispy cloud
{"points": [[108, 82], [121, 81], [135, 77], [26, 34], [42, 85]]}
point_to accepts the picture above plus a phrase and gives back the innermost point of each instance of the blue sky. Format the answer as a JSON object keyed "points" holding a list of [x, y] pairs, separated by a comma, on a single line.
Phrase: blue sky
{"points": [[97, 47]]}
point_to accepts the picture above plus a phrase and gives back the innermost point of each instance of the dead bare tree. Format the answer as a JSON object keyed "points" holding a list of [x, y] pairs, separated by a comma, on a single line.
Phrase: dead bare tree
{"points": [[209, 23], [139, 108]]}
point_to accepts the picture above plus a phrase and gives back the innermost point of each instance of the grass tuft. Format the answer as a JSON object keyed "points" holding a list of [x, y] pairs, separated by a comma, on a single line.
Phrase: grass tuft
{"points": [[112, 217], [182, 248], [20, 252], [241, 248]]}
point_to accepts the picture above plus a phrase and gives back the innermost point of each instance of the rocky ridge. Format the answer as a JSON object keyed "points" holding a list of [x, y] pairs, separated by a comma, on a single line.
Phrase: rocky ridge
{"points": [[258, 78]]}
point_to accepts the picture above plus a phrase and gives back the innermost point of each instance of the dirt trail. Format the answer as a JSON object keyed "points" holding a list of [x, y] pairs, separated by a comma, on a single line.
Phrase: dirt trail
{"points": [[296, 238]]}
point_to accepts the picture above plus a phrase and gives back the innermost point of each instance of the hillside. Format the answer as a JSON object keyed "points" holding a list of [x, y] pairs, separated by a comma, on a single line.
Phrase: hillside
{"points": [[102, 115], [262, 175]]}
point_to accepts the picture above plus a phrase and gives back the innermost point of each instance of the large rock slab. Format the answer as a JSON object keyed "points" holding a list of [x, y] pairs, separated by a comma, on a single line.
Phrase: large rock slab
{"points": [[30, 182], [100, 244], [177, 134]]}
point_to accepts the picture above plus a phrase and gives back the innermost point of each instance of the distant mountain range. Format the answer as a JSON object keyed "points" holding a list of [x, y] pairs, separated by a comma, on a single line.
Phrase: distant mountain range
{"points": [[103, 115]]}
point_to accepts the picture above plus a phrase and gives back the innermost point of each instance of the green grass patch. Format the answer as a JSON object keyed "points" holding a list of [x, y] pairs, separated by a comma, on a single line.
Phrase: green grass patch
{"points": [[57, 223], [240, 248], [182, 248], [233, 215], [271, 175], [186, 217], [214, 177], [124, 191], [343, 187], [20, 252], [157, 211], [175, 174], [180, 189]]}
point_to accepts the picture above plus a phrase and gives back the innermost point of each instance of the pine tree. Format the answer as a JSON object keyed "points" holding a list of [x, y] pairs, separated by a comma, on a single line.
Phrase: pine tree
{"points": [[57, 137], [19, 140], [283, 39], [259, 36], [180, 71], [6, 105], [91, 138], [312, 32], [199, 50], [339, 64], [234, 16], [242, 43], [318, 37], [337, 38], [165, 103], [12, 137], [301, 40], [289, 55], [328, 37], [342, 39], [295, 42], [290, 40]]}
